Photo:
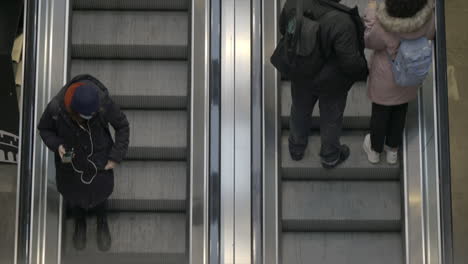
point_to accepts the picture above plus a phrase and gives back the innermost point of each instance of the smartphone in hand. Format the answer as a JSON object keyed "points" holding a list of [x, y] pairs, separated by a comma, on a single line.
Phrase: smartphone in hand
{"points": [[67, 157]]}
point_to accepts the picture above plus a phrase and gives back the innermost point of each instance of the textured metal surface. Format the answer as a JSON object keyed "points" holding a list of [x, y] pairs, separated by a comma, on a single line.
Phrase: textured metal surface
{"points": [[341, 206], [126, 258], [357, 167], [52, 70], [129, 34], [140, 83], [271, 137], [236, 130], [157, 134], [431, 175], [356, 116], [198, 219], [413, 188], [154, 233], [227, 239], [8, 178], [421, 180], [243, 132], [132, 4], [342, 248], [149, 186], [7, 223]]}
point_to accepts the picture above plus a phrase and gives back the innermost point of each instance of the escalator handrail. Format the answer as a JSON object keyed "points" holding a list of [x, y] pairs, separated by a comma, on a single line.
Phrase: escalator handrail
{"points": [[443, 134], [27, 134]]}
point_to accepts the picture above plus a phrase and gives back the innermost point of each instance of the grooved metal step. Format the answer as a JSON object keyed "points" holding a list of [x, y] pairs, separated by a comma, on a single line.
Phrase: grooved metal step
{"points": [[127, 258], [348, 215], [356, 116], [138, 49], [140, 83], [141, 235], [157, 135], [8, 220], [149, 186], [357, 167], [131, 4], [341, 206], [129, 35], [342, 248], [9, 178]]}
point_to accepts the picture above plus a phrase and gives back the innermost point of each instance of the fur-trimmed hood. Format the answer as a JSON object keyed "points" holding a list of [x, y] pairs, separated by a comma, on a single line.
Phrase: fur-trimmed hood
{"points": [[405, 25], [383, 35]]}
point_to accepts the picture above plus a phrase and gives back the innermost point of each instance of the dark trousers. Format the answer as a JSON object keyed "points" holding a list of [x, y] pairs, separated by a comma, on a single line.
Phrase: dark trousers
{"points": [[331, 120], [387, 125], [79, 213]]}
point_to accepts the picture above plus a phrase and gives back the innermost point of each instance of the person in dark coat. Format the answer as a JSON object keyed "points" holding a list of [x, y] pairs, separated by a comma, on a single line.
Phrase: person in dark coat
{"points": [[77, 120], [344, 65]]}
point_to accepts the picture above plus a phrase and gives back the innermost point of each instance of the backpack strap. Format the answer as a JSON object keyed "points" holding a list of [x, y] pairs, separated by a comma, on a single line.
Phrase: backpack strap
{"points": [[336, 6], [299, 21], [354, 14], [299, 14]]}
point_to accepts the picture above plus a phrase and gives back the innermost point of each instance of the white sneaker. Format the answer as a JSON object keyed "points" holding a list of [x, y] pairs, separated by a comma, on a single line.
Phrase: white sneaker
{"points": [[392, 155], [372, 156]]}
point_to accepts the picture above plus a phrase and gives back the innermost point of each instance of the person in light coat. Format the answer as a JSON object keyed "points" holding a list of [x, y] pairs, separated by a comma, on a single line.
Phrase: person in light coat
{"points": [[387, 23]]}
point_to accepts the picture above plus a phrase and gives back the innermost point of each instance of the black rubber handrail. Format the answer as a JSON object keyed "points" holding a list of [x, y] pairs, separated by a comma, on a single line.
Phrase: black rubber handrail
{"points": [[257, 133], [215, 133], [443, 134], [27, 133]]}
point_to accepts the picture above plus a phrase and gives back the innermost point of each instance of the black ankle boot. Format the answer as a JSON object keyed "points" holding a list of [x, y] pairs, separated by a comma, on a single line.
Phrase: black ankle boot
{"points": [[79, 236], [344, 155], [296, 151], [104, 240]]}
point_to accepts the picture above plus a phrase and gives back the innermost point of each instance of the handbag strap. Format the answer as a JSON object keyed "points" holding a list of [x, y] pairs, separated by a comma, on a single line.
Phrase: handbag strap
{"points": [[299, 16], [299, 19]]}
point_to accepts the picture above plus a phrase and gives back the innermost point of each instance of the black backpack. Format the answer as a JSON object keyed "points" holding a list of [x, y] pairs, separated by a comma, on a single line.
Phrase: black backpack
{"points": [[299, 54]]}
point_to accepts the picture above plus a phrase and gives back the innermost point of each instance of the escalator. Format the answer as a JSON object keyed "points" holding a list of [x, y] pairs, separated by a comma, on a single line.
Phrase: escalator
{"points": [[139, 50], [350, 214]]}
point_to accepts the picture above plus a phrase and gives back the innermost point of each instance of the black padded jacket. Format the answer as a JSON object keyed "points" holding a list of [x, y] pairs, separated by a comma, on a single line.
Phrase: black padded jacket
{"points": [[93, 139], [340, 46]]}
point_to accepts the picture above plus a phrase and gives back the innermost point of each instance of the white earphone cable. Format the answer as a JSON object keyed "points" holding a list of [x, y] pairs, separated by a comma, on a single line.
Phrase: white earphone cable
{"points": [[88, 158]]}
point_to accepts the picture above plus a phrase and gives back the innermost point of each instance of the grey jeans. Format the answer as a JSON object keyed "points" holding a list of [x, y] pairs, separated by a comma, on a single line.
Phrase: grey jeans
{"points": [[331, 121]]}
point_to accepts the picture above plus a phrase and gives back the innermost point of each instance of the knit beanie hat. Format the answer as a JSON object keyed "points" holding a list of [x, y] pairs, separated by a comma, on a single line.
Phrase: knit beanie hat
{"points": [[85, 100]]}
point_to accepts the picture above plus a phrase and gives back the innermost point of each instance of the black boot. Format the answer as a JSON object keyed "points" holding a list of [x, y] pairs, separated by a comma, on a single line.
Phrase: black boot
{"points": [[296, 151], [297, 155], [344, 155], [104, 240], [79, 236]]}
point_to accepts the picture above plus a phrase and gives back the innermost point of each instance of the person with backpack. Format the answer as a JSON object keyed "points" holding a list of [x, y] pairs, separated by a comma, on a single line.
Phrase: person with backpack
{"points": [[75, 126], [329, 74], [399, 33]]}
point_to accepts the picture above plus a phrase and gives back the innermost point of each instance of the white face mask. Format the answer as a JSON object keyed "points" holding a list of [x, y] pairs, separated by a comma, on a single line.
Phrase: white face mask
{"points": [[86, 117]]}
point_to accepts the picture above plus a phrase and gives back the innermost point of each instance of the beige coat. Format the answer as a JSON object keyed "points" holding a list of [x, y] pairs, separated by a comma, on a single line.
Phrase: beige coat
{"points": [[383, 34]]}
